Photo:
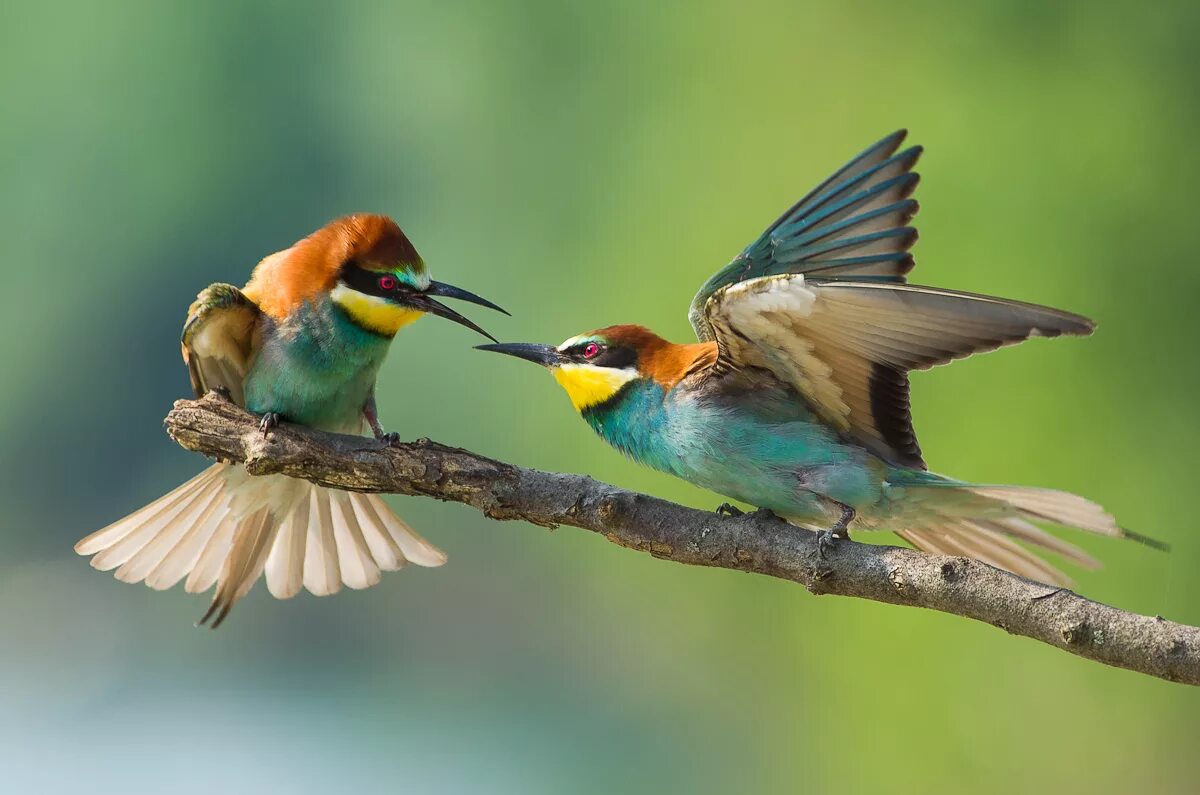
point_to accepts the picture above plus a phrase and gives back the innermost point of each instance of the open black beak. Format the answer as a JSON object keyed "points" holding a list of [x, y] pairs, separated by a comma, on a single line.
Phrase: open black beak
{"points": [[545, 355], [443, 290], [424, 303]]}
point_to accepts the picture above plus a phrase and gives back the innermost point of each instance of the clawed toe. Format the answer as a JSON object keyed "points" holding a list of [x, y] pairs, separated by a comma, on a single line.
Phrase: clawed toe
{"points": [[827, 540], [728, 509], [269, 420], [390, 438]]}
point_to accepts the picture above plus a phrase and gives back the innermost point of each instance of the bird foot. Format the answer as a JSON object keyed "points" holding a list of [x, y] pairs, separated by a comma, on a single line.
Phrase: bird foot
{"points": [[223, 393], [390, 438], [827, 539], [728, 509], [269, 420]]}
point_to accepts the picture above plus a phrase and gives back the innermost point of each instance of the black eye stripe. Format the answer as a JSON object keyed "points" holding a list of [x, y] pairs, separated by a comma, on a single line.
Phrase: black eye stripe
{"points": [[616, 357], [365, 281]]}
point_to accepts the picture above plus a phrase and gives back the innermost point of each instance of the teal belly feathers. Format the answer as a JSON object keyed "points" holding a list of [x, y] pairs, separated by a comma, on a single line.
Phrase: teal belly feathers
{"points": [[760, 447], [316, 369]]}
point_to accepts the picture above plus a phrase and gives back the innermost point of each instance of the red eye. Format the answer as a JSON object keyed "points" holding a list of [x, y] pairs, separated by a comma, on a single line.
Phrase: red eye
{"points": [[387, 282], [591, 350]]}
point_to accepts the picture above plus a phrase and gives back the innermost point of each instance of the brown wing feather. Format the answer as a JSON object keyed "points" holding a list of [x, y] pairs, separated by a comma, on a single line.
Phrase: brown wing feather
{"points": [[847, 347], [219, 340]]}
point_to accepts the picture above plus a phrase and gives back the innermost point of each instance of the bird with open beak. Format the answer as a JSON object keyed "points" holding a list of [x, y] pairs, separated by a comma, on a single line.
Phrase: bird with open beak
{"points": [[302, 342]]}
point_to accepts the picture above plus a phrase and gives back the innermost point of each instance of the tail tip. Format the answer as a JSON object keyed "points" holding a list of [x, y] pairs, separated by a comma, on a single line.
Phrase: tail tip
{"points": [[1153, 543]]}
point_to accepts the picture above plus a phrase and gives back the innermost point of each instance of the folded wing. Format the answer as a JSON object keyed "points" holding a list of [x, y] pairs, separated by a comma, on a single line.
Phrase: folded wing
{"points": [[219, 340]]}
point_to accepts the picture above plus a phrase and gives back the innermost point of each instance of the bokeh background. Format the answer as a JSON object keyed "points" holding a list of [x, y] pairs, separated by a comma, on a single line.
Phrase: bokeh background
{"points": [[584, 164]]}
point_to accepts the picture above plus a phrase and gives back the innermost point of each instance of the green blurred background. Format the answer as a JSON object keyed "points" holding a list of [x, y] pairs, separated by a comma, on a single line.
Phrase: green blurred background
{"points": [[584, 165]]}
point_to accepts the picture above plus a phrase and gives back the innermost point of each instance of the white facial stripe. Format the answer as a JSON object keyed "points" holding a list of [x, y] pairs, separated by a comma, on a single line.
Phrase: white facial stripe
{"points": [[572, 341], [420, 281]]}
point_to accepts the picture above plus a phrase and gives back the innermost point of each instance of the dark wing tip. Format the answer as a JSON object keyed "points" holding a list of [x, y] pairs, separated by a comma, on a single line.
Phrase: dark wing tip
{"points": [[885, 147], [1068, 324]]}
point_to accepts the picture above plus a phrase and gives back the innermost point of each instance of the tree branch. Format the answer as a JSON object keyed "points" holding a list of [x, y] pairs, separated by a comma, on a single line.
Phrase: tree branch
{"points": [[759, 543]]}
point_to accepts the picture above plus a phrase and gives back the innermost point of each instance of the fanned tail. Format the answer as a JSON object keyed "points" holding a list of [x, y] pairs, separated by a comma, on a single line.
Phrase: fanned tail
{"points": [[225, 528], [985, 523]]}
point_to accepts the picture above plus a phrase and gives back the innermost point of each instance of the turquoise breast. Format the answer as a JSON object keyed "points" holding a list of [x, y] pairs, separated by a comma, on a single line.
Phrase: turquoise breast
{"points": [[317, 368]]}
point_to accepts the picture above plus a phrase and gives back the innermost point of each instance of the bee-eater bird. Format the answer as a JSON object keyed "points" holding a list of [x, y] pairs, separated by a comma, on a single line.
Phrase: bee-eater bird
{"points": [[302, 341], [796, 397]]}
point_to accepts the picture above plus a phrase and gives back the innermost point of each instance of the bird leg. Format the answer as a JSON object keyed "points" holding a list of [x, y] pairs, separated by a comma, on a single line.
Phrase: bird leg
{"points": [[268, 421], [371, 413], [839, 531], [729, 509]]}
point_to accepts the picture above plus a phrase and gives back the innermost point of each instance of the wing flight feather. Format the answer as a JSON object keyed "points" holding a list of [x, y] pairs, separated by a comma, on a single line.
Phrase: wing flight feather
{"points": [[847, 347]]}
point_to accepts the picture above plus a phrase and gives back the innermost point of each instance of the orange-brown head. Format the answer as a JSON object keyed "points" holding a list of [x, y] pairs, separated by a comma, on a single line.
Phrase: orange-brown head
{"points": [[366, 266], [594, 367]]}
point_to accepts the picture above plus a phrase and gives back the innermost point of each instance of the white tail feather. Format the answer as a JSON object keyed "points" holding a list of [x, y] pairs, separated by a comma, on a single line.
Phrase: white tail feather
{"points": [[322, 575], [105, 538], [358, 567], [982, 521], [383, 547], [182, 558], [212, 559], [1060, 507], [285, 564], [412, 546], [226, 528], [148, 557]]}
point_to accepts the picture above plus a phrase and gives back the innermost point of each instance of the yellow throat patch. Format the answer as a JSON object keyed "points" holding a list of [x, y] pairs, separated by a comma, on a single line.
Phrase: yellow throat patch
{"points": [[375, 314], [588, 385]]}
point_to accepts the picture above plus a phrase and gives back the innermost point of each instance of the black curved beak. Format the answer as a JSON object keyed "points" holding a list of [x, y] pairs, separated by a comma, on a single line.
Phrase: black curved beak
{"points": [[424, 303], [443, 290], [545, 355]]}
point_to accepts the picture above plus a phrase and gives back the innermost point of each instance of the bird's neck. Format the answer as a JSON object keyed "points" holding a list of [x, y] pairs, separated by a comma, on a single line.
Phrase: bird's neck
{"points": [[669, 363], [634, 421], [325, 333]]}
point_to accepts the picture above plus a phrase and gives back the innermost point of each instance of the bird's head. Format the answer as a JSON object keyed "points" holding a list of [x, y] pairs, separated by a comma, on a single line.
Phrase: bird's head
{"points": [[595, 367], [368, 268]]}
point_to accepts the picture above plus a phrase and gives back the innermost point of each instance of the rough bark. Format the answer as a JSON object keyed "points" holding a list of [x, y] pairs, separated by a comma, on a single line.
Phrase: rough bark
{"points": [[759, 542]]}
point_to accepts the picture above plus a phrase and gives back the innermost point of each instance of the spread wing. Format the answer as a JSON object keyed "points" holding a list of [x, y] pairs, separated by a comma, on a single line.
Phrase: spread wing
{"points": [[219, 340], [820, 300], [847, 346], [852, 225]]}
